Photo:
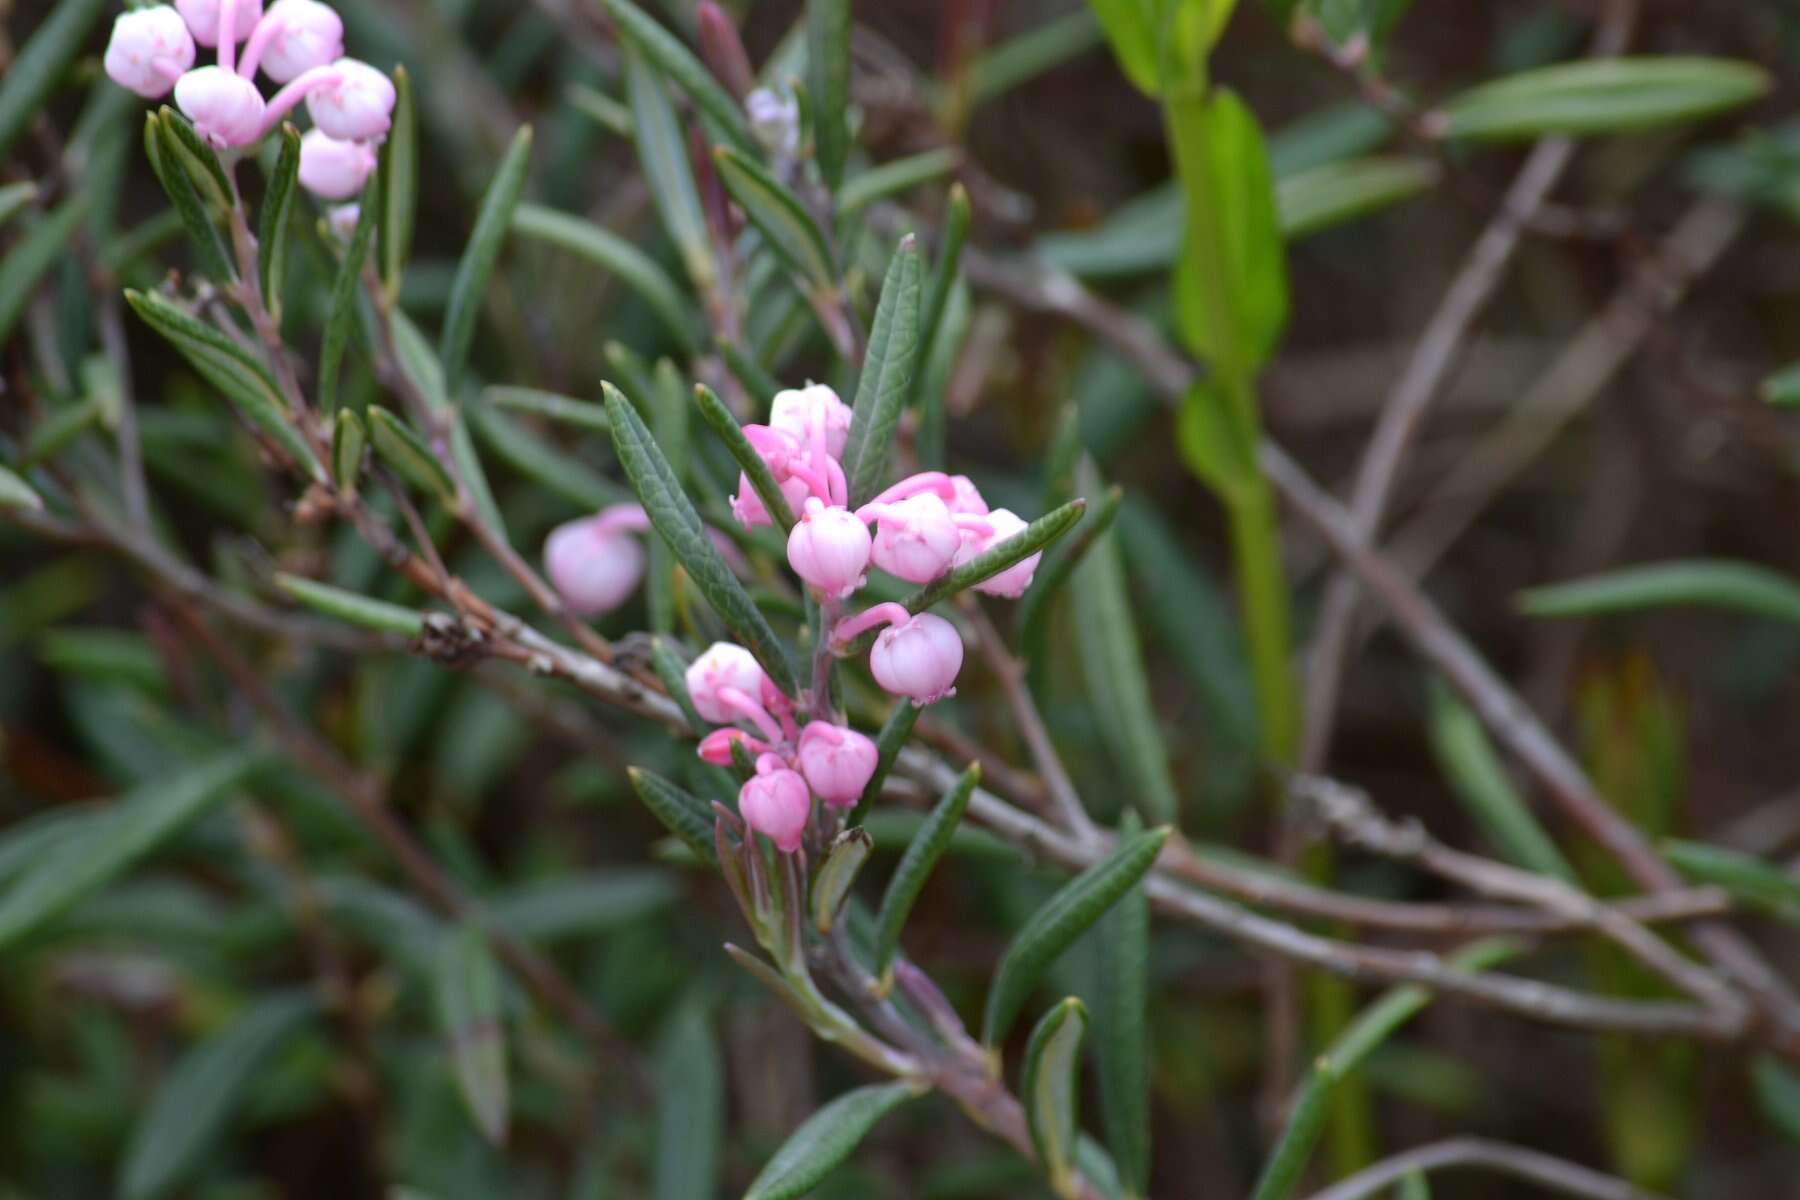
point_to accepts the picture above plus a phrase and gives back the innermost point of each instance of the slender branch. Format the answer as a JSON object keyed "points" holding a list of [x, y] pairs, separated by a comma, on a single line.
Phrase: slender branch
{"points": [[1557, 1174]]}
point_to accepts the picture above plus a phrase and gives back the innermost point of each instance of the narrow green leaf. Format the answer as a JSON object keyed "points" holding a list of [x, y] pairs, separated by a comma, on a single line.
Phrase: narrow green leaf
{"points": [[886, 375], [761, 385], [1016, 549], [349, 438], [466, 987], [196, 1102], [1711, 583], [748, 460], [178, 173], [825, 1140], [612, 253], [574, 906], [1746, 877], [40, 63], [892, 178], [1598, 96], [686, 815], [1782, 389], [1020, 59], [344, 292], [272, 231], [1057, 568], [944, 275], [676, 61], [673, 672], [399, 183], [1137, 38], [1286, 1165], [197, 155], [1050, 1089], [244, 380], [16, 493], [1481, 782], [421, 366], [582, 414], [888, 743], [402, 448], [690, 1117], [31, 259], [602, 109], [916, 865], [567, 476], [479, 257], [1413, 1186], [837, 875], [674, 519], [1062, 919], [1778, 1094], [785, 223], [113, 840], [352, 607], [1343, 191], [1384, 1016], [662, 149], [1120, 997], [15, 198], [668, 415], [828, 84]]}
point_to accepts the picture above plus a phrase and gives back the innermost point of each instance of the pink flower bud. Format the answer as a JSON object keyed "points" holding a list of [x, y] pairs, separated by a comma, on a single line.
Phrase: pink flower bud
{"points": [[723, 667], [775, 803], [148, 51], [916, 538], [202, 17], [965, 497], [331, 169], [795, 412], [837, 762], [829, 548], [342, 218], [749, 509], [775, 120], [226, 108], [999, 525], [593, 566], [356, 103], [295, 37], [715, 747], [918, 658]]}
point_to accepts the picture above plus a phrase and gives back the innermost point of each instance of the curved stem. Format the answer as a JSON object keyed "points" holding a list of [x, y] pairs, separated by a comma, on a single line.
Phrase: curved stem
{"points": [[228, 34], [266, 31], [738, 702], [307, 81], [849, 628]]}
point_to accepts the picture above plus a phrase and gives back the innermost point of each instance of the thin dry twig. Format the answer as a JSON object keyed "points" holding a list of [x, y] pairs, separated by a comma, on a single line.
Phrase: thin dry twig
{"points": [[1557, 1174]]}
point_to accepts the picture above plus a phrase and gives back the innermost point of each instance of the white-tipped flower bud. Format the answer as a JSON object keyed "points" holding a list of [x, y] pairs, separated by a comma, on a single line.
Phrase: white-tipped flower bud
{"points": [[356, 105], [226, 108], [148, 51]]}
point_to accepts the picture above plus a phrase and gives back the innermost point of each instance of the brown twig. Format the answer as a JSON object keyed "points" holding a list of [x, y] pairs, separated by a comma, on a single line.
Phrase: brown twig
{"points": [[1557, 1174]]}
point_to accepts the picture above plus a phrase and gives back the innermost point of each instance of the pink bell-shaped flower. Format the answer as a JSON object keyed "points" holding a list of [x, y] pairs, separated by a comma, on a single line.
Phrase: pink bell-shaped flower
{"points": [[965, 498], [775, 803], [829, 548], [796, 411], [724, 667], [593, 563], [918, 658], [333, 169], [295, 37], [355, 102], [226, 108], [148, 51], [999, 525], [916, 538], [837, 762], [202, 17], [715, 747]]}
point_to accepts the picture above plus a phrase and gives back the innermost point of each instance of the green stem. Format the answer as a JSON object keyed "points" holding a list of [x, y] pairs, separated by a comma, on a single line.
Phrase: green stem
{"points": [[1263, 596]]}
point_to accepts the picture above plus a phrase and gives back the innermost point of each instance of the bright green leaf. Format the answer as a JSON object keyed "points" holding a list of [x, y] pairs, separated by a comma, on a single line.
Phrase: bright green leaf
{"points": [[825, 1140]]}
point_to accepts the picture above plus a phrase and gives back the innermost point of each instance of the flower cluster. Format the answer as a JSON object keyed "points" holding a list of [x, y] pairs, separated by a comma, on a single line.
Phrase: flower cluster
{"points": [[298, 44]]}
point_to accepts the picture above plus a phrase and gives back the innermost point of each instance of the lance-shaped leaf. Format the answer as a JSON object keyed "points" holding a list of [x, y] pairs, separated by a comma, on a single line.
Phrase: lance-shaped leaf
{"points": [[990, 562], [673, 672], [479, 257], [16, 493], [180, 174], [466, 988], [888, 744], [1715, 583], [674, 519], [196, 1101], [1050, 1090], [1057, 567], [1746, 877], [272, 230], [687, 816], [892, 178], [663, 150], [1120, 996], [32, 258], [831, 886], [748, 460], [15, 198], [349, 438], [402, 448], [552, 406], [198, 156], [566, 475], [399, 183], [676, 61], [916, 865], [1599, 96], [40, 63], [944, 274], [1138, 39], [825, 1140], [1286, 1164], [1778, 1094], [612, 253], [245, 381], [108, 843], [427, 374], [887, 373], [344, 290], [786, 225], [1063, 918], [1337, 192], [752, 374], [690, 1116], [828, 84], [353, 607]]}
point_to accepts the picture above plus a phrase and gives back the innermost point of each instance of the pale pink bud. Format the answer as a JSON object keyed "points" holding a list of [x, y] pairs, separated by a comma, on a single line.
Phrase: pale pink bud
{"points": [[829, 548], [749, 509], [333, 169], [148, 51], [226, 108], [1000, 525], [775, 120], [356, 103], [724, 667], [918, 658], [342, 219], [916, 538], [774, 802], [593, 565], [837, 762], [965, 498], [295, 37], [715, 747], [202, 17], [796, 411]]}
